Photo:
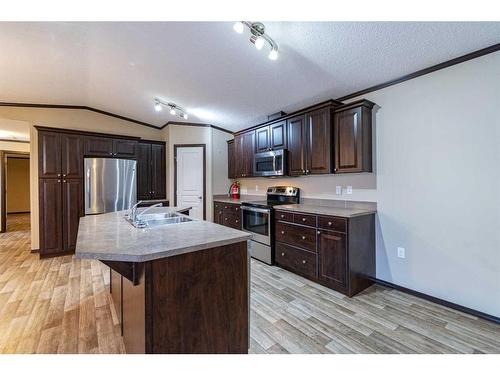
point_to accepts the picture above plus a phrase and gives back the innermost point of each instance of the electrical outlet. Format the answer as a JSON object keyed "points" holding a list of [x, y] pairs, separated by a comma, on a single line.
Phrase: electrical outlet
{"points": [[244, 190], [256, 187], [349, 190], [401, 252], [338, 190]]}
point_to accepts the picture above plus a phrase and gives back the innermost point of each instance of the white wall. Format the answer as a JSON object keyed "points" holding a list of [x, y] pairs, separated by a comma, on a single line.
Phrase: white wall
{"points": [[437, 183]]}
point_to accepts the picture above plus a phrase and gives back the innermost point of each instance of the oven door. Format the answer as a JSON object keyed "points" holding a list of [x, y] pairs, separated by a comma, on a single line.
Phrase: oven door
{"points": [[258, 222], [270, 163]]}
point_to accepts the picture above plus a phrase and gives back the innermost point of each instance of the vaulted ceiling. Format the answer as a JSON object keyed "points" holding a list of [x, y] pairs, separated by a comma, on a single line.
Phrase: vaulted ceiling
{"points": [[213, 72]]}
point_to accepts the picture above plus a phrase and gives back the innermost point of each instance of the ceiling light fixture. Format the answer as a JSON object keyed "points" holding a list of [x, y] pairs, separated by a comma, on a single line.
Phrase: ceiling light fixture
{"points": [[258, 37], [174, 108]]}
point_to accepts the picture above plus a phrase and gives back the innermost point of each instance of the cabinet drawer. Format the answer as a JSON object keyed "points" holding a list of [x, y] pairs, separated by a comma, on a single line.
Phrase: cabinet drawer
{"points": [[232, 221], [333, 223], [231, 207], [304, 219], [296, 235], [297, 260], [284, 216]]}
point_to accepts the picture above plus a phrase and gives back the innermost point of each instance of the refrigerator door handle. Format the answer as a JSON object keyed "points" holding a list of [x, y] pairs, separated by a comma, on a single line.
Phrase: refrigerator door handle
{"points": [[87, 188]]}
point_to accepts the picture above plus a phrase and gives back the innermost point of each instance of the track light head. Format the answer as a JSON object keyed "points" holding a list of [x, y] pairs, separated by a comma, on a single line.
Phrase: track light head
{"points": [[184, 116], [273, 55], [172, 110], [239, 27], [158, 106]]}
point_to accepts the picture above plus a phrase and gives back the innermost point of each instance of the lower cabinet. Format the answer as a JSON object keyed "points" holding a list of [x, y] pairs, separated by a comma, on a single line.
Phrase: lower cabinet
{"points": [[336, 252], [61, 206], [227, 214]]}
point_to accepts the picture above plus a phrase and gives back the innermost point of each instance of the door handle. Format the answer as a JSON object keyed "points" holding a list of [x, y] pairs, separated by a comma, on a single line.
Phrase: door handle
{"points": [[200, 197]]}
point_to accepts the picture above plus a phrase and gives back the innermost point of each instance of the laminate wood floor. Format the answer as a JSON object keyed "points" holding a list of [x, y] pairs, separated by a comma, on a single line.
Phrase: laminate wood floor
{"points": [[62, 305]]}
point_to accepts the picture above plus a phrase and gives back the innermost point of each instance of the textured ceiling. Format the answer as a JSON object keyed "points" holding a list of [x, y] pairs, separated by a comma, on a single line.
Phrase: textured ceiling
{"points": [[214, 72]]}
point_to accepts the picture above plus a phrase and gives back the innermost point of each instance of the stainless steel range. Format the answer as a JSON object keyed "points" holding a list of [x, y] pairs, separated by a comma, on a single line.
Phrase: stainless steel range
{"points": [[258, 217]]}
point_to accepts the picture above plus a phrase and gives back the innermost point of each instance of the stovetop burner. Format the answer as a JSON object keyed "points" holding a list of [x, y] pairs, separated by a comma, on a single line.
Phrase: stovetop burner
{"points": [[277, 195]]}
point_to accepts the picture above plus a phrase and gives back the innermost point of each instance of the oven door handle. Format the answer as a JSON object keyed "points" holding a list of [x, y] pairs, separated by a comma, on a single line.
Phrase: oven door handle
{"points": [[262, 210]]}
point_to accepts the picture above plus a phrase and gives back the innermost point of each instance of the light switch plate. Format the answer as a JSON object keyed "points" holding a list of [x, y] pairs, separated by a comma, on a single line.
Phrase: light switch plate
{"points": [[338, 190], [349, 190], [401, 252]]}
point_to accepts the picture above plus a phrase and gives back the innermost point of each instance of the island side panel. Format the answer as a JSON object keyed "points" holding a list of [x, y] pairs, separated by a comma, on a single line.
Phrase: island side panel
{"points": [[134, 315], [198, 302]]}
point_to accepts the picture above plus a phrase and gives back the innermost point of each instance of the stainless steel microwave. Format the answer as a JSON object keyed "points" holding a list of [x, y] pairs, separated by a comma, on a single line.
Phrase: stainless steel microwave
{"points": [[270, 163]]}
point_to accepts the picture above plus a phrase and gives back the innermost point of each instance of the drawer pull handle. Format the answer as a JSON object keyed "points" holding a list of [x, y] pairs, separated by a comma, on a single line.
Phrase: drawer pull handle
{"points": [[282, 232], [225, 218], [303, 262], [303, 219], [282, 254], [319, 232], [329, 223], [303, 237], [282, 216], [236, 221], [225, 206]]}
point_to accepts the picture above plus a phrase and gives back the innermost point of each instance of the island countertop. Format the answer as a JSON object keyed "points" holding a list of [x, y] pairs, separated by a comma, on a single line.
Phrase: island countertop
{"points": [[110, 237]]}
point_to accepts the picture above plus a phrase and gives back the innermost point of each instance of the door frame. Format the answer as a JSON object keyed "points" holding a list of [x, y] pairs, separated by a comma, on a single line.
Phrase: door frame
{"points": [[3, 186], [204, 147]]}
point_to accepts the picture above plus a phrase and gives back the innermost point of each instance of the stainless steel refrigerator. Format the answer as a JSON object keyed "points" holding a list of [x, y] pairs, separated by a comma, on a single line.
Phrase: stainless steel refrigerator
{"points": [[110, 185]]}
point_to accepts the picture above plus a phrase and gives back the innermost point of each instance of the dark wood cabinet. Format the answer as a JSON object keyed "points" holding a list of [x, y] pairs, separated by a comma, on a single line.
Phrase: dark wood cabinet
{"points": [[333, 251], [278, 132], [98, 146], [309, 143], [231, 162], [297, 145], [72, 210], [49, 152], [49, 195], [271, 137], [262, 139], [60, 157], [319, 138], [110, 147], [332, 254], [151, 170], [227, 214], [353, 138], [244, 147]]}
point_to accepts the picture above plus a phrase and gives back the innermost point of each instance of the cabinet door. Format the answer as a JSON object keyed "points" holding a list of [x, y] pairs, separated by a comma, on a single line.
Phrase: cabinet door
{"points": [[72, 198], [231, 164], [332, 258], [262, 139], [297, 146], [249, 151], [49, 154], [144, 191], [124, 148], [218, 213], [319, 129], [50, 200], [238, 156], [352, 133], [98, 146], [278, 135], [158, 173], [72, 155]]}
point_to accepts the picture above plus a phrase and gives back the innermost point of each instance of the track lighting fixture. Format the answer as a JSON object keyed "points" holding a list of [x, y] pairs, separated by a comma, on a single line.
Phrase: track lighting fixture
{"points": [[258, 36], [174, 108]]}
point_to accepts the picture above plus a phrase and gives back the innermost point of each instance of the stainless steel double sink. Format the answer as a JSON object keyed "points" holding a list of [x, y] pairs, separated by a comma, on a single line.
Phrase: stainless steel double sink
{"points": [[154, 220]]}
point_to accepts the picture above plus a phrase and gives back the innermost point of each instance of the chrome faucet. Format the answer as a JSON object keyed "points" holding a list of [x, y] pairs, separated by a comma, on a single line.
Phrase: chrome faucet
{"points": [[133, 212], [137, 217]]}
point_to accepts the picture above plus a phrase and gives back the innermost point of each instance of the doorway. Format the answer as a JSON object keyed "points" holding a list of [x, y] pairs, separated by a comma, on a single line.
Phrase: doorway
{"points": [[190, 178], [15, 191]]}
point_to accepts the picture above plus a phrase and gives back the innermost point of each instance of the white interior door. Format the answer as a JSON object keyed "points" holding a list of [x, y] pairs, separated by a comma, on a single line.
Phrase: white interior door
{"points": [[190, 179]]}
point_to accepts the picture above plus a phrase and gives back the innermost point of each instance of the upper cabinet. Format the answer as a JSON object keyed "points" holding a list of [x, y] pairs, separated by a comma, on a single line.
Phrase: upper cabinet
{"points": [[297, 145], [151, 170], [244, 146], [353, 137], [110, 147], [61, 155], [330, 137], [309, 142], [271, 137]]}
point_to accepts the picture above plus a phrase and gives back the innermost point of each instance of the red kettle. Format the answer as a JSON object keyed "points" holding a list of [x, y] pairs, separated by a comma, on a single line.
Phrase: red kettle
{"points": [[234, 190]]}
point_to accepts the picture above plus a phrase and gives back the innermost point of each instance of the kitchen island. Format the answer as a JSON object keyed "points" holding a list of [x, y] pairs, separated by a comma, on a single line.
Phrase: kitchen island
{"points": [[177, 288]]}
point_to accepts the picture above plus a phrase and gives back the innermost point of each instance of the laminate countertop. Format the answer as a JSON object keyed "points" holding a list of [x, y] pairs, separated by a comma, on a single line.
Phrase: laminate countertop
{"points": [[110, 237], [325, 210], [242, 199]]}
